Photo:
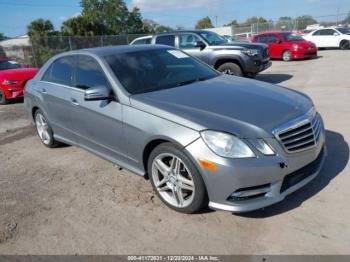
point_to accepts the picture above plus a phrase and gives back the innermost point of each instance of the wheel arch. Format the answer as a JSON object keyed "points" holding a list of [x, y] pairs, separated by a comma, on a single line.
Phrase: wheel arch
{"points": [[151, 145]]}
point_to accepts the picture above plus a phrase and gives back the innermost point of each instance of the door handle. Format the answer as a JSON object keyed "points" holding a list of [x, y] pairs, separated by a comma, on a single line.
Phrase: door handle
{"points": [[74, 101], [43, 90]]}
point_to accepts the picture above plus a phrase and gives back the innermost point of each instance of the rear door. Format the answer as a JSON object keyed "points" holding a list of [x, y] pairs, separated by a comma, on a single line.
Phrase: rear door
{"points": [[56, 89], [98, 123]]}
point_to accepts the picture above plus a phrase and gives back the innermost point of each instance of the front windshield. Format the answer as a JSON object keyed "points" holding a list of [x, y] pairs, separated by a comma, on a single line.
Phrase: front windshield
{"points": [[290, 37], [344, 30], [5, 65], [212, 38], [153, 70]]}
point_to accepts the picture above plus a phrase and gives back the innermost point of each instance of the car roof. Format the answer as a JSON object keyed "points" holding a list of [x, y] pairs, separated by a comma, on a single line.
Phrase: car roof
{"points": [[110, 50], [274, 32], [185, 31]]}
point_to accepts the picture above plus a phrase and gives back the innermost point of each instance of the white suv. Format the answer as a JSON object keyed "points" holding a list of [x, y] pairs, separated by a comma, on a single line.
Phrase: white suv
{"points": [[330, 37]]}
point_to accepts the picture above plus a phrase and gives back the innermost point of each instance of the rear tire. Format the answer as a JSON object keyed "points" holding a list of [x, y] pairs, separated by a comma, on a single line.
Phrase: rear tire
{"points": [[230, 69], [44, 130], [3, 100], [344, 45], [287, 56], [176, 180]]}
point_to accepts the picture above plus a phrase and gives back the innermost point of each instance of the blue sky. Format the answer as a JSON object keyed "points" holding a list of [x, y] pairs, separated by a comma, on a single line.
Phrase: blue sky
{"points": [[17, 14]]}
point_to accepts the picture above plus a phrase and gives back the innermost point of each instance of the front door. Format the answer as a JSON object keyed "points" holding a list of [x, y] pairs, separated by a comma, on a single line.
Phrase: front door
{"points": [[188, 43], [99, 123]]}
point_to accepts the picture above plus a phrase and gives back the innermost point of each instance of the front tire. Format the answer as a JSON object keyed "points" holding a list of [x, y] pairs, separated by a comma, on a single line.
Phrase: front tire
{"points": [[230, 69], [3, 100], [344, 45], [287, 56], [44, 130], [176, 180]]}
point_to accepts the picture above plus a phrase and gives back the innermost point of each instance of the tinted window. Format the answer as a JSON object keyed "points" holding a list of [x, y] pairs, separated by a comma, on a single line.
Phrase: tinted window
{"points": [[142, 41], [47, 74], [188, 41], [261, 39], [89, 73], [290, 37], [153, 70], [212, 38], [62, 71], [272, 39], [344, 30], [325, 32], [166, 40], [4, 65]]}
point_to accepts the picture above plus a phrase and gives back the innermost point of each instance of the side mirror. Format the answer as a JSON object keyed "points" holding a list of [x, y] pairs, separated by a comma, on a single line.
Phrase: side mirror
{"points": [[279, 42], [336, 34], [97, 93], [201, 45]]}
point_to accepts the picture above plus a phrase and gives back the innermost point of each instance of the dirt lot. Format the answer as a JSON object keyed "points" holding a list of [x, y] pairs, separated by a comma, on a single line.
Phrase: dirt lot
{"points": [[67, 201]]}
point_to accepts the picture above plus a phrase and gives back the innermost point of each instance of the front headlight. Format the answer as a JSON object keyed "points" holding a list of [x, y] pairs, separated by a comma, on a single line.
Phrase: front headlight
{"points": [[9, 82], [296, 47], [250, 52], [263, 147], [226, 145]]}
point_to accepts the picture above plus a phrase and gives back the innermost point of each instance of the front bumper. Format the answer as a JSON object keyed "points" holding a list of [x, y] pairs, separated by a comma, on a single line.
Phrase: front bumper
{"points": [[263, 173], [308, 53], [256, 66], [12, 91]]}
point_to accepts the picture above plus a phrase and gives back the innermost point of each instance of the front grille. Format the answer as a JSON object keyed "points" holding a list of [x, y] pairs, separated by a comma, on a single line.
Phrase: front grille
{"points": [[302, 135], [301, 174]]}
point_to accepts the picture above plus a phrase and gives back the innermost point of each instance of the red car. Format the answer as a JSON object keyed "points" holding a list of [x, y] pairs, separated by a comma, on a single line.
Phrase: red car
{"points": [[13, 77], [286, 45]]}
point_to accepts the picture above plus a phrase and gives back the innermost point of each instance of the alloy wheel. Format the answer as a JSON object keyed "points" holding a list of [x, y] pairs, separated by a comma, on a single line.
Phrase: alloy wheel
{"points": [[173, 180], [42, 128]]}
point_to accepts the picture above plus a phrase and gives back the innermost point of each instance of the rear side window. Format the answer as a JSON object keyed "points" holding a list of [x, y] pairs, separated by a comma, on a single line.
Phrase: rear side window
{"points": [[166, 40], [145, 41], [89, 73], [62, 71]]}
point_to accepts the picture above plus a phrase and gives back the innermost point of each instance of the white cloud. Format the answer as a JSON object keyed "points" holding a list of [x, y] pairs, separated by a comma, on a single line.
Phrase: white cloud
{"points": [[62, 18], [155, 5]]}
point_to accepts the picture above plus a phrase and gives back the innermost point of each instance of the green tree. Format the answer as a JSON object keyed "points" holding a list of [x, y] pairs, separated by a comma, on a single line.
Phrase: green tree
{"points": [[149, 26], [40, 28], [204, 23], [113, 15], [284, 22], [255, 20], [233, 23], [347, 19], [163, 28], [82, 26], [2, 37], [134, 22], [304, 21]]}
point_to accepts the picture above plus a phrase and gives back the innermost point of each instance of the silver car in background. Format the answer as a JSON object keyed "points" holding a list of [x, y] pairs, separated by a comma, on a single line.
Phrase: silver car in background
{"points": [[199, 136]]}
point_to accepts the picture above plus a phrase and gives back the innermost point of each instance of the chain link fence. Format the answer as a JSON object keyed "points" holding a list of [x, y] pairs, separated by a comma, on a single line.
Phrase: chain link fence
{"points": [[36, 52]]}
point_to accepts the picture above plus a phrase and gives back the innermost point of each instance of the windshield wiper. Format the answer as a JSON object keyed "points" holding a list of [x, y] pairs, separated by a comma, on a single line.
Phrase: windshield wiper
{"points": [[199, 79]]}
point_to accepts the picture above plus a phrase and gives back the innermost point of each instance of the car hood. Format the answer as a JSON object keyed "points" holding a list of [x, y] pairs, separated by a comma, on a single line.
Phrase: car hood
{"points": [[240, 45], [246, 108], [18, 73]]}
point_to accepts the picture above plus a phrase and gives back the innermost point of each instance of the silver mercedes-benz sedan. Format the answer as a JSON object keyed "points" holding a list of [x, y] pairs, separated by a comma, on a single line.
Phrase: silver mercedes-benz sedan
{"points": [[200, 137]]}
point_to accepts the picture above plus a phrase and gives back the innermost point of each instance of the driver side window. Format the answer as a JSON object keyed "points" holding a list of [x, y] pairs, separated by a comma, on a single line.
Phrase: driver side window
{"points": [[187, 41], [89, 73]]}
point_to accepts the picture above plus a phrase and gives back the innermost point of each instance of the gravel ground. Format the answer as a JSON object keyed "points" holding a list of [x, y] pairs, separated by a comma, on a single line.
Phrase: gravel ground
{"points": [[68, 201]]}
